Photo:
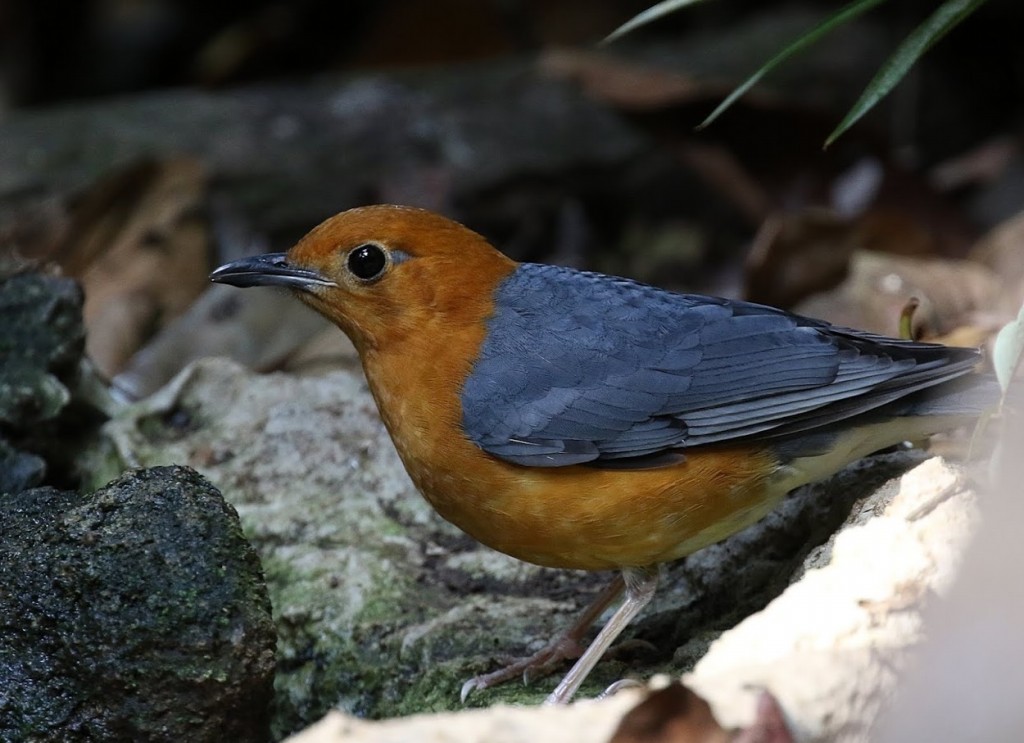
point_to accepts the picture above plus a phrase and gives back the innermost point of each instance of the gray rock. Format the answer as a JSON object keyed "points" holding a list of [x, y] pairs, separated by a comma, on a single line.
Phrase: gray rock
{"points": [[288, 156], [138, 612], [42, 329], [19, 470], [41, 343]]}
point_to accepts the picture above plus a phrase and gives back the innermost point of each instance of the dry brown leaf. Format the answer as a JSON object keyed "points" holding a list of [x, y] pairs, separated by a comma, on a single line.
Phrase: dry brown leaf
{"points": [[982, 164], [138, 243], [623, 84], [794, 256], [894, 231], [261, 330], [1002, 250], [954, 294], [673, 714]]}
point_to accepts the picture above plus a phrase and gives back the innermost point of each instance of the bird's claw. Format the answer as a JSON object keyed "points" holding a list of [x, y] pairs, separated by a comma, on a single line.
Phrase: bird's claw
{"points": [[619, 685], [536, 666], [468, 688]]}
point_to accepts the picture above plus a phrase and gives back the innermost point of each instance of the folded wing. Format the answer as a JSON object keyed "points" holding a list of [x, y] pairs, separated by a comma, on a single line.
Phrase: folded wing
{"points": [[580, 367]]}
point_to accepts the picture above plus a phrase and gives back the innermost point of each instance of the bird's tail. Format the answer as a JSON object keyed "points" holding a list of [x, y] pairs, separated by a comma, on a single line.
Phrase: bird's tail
{"points": [[970, 395], [919, 415]]}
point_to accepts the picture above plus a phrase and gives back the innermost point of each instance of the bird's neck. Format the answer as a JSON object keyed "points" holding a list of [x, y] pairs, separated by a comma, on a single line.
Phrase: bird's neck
{"points": [[419, 401], [417, 369]]}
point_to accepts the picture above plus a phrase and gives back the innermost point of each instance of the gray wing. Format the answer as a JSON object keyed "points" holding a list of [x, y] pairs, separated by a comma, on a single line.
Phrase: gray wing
{"points": [[578, 367]]}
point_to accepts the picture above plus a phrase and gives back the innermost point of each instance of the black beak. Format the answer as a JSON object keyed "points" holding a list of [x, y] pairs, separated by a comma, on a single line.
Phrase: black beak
{"points": [[270, 269]]}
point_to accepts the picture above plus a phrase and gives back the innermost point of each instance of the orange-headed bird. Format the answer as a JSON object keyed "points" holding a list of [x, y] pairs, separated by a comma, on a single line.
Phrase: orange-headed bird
{"points": [[577, 420]]}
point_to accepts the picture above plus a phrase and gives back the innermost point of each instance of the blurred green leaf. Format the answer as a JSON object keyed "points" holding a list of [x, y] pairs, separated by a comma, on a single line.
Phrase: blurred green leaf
{"points": [[653, 13], [946, 17], [1007, 350], [845, 14]]}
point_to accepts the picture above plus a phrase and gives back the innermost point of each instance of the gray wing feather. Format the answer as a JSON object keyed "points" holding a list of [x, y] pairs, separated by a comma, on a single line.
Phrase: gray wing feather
{"points": [[578, 367]]}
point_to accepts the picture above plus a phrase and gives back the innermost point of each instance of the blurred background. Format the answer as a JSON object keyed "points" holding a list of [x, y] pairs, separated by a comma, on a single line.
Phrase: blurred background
{"points": [[141, 139]]}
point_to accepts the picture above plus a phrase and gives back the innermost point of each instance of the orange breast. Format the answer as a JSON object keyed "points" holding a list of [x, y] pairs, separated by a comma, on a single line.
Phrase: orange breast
{"points": [[587, 518]]}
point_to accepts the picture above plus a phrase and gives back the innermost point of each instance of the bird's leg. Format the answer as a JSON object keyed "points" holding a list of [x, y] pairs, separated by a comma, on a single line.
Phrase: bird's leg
{"points": [[563, 646], [640, 584]]}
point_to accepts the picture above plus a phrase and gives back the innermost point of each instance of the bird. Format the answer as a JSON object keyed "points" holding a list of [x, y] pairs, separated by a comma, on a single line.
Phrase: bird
{"points": [[577, 420]]}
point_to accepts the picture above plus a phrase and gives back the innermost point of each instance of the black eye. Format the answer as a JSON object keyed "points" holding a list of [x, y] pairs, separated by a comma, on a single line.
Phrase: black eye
{"points": [[367, 261]]}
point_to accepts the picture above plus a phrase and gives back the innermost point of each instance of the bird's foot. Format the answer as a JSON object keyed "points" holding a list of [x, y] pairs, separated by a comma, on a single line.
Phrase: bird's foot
{"points": [[536, 666]]}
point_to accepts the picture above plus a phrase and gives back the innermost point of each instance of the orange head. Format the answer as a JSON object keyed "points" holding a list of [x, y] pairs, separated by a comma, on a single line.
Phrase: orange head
{"points": [[383, 272]]}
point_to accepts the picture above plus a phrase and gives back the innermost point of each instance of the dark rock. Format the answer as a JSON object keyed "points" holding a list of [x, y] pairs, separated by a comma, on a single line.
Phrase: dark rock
{"points": [[138, 612], [19, 470], [42, 339]]}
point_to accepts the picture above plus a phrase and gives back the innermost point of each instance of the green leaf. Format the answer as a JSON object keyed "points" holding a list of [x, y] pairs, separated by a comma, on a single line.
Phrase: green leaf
{"points": [[1007, 350], [845, 14], [946, 17], [653, 13]]}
